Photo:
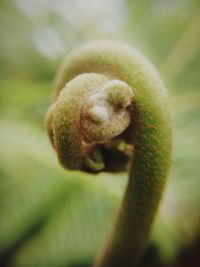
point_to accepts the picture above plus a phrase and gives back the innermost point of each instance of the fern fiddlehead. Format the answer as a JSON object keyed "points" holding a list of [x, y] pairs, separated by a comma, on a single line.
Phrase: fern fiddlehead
{"points": [[110, 112]]}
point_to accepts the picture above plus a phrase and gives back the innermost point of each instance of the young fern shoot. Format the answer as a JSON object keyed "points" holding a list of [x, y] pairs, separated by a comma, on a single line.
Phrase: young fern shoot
{"points": [[110, 112]]}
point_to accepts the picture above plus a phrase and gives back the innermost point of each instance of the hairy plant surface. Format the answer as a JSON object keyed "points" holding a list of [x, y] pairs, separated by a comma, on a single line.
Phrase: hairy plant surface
{"points": [[109, 99]]}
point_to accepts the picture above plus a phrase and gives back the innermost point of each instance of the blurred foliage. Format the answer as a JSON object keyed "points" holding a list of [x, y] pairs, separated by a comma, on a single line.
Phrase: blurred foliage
{"points": [[52, 217]]}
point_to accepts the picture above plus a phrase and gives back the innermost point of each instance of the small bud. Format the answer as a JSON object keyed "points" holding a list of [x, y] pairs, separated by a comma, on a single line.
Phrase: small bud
{"points": [[99, 114], [119, 94]]}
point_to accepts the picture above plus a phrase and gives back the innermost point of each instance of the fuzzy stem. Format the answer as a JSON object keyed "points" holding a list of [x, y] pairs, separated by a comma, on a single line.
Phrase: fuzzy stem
{"points": [[149, 132]]}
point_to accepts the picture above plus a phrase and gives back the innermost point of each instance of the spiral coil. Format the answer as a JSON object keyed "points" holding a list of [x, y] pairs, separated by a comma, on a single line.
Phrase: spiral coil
{"points": [[111, 108]]}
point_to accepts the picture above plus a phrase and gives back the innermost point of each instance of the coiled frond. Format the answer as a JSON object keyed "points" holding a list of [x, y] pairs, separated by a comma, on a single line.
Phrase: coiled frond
{"points": [[110, 112]]}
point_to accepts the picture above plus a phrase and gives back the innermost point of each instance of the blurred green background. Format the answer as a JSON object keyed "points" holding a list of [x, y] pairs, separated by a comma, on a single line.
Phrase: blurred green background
{"points": [[56, 218]]}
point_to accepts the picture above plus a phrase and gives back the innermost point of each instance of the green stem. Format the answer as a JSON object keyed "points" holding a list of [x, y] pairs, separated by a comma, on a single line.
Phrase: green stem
{"points": [[149, 132]]}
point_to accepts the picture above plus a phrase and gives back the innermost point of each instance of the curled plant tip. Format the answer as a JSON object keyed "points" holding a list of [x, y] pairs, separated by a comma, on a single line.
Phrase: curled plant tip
{"points": [[110, 111], [106, 115], [86, 114]]}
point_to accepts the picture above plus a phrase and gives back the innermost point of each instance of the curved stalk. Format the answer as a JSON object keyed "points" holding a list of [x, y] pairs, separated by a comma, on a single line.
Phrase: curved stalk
{"points": [[108, 97]]}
